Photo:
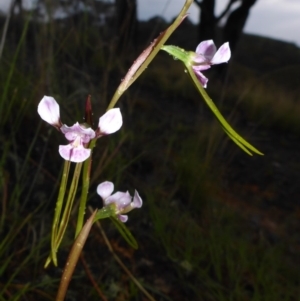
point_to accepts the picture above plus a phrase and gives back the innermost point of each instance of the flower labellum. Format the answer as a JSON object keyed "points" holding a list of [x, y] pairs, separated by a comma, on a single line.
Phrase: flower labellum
{"points": [[79, 135], [122, 201]]}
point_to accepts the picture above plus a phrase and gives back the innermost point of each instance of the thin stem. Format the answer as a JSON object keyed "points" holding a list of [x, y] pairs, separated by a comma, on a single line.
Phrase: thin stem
{"points": [[73, 258], [85, 189], [147, 56], [84, 192]]}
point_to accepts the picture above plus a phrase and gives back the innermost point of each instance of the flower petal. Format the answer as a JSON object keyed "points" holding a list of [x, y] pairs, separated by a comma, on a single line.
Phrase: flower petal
{"points": [[48, 109], [137, 201], [72, 132], [199, 59], [74, 154], [123, 218], [121, 199], [202, 79], [222, 55], [105, 189], [207, 49], [110, 122], [201, 67]]}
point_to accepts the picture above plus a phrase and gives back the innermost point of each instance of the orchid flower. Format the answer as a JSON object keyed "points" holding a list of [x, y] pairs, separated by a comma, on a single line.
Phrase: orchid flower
{"points": [[79, 135], [206, 55], [121, 201]]}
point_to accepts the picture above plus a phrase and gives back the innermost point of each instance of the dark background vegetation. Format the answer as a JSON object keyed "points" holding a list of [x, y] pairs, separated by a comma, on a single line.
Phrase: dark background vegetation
{"points": [[216, 224]]}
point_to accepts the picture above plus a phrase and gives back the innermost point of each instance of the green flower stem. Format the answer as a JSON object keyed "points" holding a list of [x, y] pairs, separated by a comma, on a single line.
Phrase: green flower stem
{"points": [[85, 189], [147, 56], [241, 142], [177, 52], [110, 211], [84, 193], [73, 258], [58, 208], [105, 212]]}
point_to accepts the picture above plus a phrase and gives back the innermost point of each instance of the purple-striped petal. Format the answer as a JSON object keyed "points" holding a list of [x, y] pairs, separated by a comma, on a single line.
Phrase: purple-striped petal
{"points": [[73, 153], [207, 49], [76, 130], [222, 55], [48, 110], [202, 79]]}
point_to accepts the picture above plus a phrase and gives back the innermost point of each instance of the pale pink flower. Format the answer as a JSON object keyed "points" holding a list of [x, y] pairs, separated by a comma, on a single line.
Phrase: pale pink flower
{"points": [[78, 135], [206, 55], [122, 201]]}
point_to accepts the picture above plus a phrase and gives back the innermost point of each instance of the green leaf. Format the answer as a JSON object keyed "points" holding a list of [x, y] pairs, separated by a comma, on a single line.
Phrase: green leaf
{"points": [[124, 231], [232, 134]]}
